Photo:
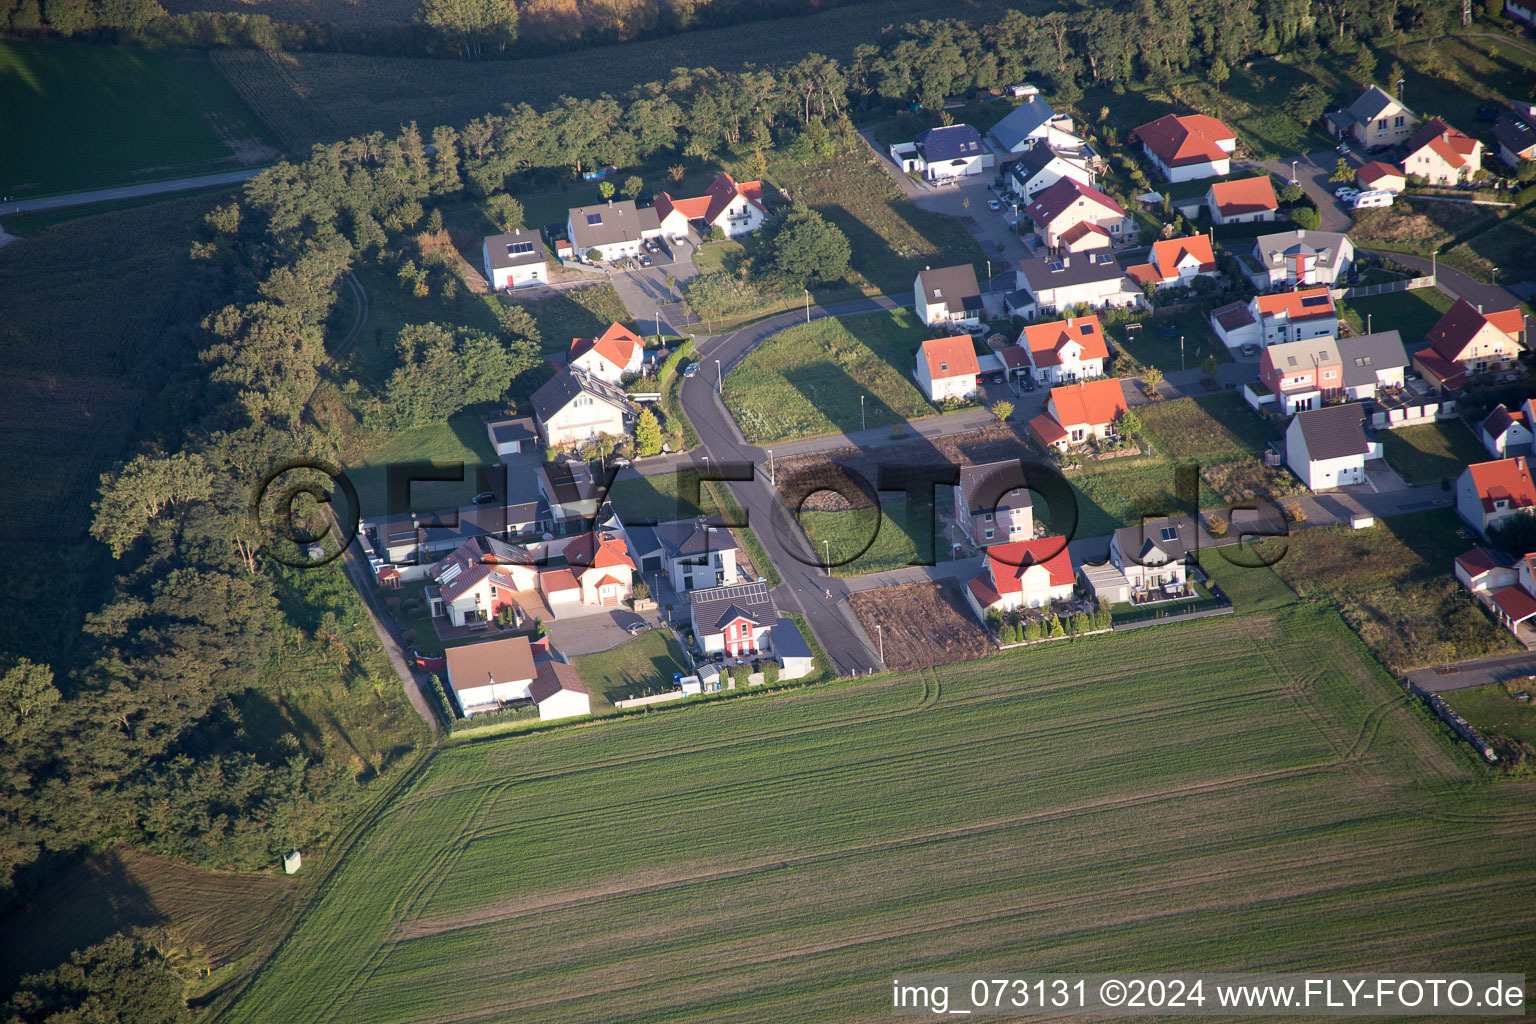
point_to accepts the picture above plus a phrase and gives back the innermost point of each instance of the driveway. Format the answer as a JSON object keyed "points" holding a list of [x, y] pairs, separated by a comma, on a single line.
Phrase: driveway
{"points": [[598, 629], [644, 290], [1477, 672], [1313, 172]]}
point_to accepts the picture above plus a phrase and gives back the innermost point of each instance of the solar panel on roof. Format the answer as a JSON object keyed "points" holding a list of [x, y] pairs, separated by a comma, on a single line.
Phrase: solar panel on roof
{"points": [[516, 248], [594, 218], [1086, 329], [1055, 265], [1314, 300], [1169, 533]]}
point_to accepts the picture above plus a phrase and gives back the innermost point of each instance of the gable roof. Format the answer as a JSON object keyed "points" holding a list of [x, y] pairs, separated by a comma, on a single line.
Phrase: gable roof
{"points": [[514, 249], [563, 388], [1504, 480], [1481, 560], [954, 286], [1303, 304], [1174, 536], [1190, 139], [1091, 267], [508, 660], [951, 142], [551, 677], [1452, 146], [1304, 354], [1093, 402], [1376, 170], [1516, 135], [725, 190], [687, 538], [1460, 324], [788, 640], [1062, 195], [1246, 195], [1500, 419], [1371, 104], [617, 345], [715, 607], [1334, 431], [461, 583], [994, 485], [1233, 315], [1022, 123], [1083, 229], [1007, 563], [1366, 355], [950, 357], [519, 429], [1047, 429], [1280, 248], [1167, 253], [597, 551], [1515, 603], [1031, 162], [692, 207], [1044, 342], [614, 221]]}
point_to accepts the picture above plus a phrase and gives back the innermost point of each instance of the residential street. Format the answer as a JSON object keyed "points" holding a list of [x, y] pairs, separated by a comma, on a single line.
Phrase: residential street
{"points": [[1478, 672]]}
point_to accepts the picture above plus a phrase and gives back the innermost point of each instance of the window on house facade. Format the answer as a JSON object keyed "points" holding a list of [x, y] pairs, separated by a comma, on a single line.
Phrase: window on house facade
{"points": [[989, 535], [1397, 122]]}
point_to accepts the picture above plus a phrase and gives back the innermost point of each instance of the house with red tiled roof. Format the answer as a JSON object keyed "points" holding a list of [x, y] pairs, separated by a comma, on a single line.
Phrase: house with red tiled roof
{"points": [[1176, 261], [1380, 176], [1489, 493], [1069, 203], [1065, 350], [1023, 574], [1076, 412], [1442, 155], [735, 207], [610, 355], [1507, 432], [1188, 147], [1243, 201], [947, 368], [1484, 570], [601, 565], [1467, 340], [1277, 318], [1507, 588]]}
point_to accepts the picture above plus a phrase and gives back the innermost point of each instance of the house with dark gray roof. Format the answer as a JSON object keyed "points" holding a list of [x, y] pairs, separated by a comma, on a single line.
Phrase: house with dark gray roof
{"points": [[944, 154], [1375, 119], [693, 554], [514, 260], [948, 295], [1040, 167], [993, 505], [789, 646], [735, 620], [510, 436], [1048, 284], [1372, 363], [573, 407], [615, 228], [1328, 447], [1032, 122], [1154, 556], [1322, 257]]}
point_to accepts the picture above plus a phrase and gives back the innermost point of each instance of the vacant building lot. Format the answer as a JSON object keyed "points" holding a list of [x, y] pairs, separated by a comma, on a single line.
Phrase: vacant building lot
{"points": [[921, 624], [1258, 791], [1505, 713], [1431, 452], [808, 380]]}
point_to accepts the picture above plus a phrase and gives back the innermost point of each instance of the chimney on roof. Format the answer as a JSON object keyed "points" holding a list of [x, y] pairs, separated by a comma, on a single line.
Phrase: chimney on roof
{"points": [[1479, 307], [1301, 232], [1066, 260]]}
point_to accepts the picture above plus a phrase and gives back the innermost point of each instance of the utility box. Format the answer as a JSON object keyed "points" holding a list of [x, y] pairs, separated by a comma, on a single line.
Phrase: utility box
{"points": [[292, 861]]}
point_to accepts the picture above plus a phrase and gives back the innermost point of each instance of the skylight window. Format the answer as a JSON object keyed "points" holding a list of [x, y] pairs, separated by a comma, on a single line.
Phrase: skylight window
{"points": [[594, 218], [1169, 533]]}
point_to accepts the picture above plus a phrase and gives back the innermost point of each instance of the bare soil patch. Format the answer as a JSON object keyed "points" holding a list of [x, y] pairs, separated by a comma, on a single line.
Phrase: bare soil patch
{"points": [[923, 624]]}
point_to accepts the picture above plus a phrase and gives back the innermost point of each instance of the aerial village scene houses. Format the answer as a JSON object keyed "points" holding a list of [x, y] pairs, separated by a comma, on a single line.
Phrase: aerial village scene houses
{"points": [[1254, 303]]}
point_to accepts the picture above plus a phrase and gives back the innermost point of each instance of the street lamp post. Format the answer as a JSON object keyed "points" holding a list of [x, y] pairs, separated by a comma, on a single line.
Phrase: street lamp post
{"points": [[807, 304], [1293, 172], [1181, 353], [1433, 255], [658, 323], [1367, 323], [863, 424], [826, 548], [771, 478], [719, 377], [880, 635]]}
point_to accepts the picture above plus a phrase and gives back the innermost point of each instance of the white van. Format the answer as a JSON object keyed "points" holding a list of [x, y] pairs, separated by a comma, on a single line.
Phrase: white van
{"points": [[1375, 197]]}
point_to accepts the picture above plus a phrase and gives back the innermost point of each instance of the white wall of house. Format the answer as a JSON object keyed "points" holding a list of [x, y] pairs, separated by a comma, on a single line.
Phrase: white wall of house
{"points": [[1096, 295], [1036, 590], [576, 422], [961, 386], [1320, 474], [564, 704], [688, 574], [1487, 582], [1500, 446], [473, 697], [740, 217], [1190, 172]]}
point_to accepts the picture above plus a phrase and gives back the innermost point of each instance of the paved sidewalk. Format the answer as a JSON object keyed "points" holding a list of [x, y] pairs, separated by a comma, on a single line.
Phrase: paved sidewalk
{"points": [[1463, 675]]}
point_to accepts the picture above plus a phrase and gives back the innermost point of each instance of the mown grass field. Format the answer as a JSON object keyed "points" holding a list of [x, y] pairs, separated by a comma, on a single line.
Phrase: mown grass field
{"points": [[1497, 711], [663, 497], [1432, 452], [462, 439], [645, 664], [1151, 348], [1411, 314], [77, 116], [1258, 793], [1210, 429], [807, 380], [865, 540]]}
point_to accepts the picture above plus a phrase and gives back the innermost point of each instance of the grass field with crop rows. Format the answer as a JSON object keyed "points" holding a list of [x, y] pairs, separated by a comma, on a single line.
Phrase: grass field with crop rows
{"points": [[1240, 792]]}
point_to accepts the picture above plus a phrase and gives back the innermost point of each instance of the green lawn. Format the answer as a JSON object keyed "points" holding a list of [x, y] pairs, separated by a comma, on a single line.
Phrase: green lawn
{"points": [[1120, 492], [461, 439], [1431, 452], [1212, 429], [1149, 348], [808, 380], [663, 497], [1411, 314], [860, 541], [643, 665], [751, 859], [1496, 712], [580, 313], [1509, 245], [78, 116]]}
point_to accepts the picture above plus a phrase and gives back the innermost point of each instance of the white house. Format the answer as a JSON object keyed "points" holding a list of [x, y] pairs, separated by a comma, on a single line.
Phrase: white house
{"points": [[1328, 448], [1095, 279], [1176, 261], [1372, 363], [1069, 203], [511, 436], [1276, 319], [610, 230], [789, 646], [1516, 139], [1076, 412], [948, 295], [694, 554], [736, 620], [574, 406], [1488, 493], [1065, 350], [602, 567], [1154, 555], [610, 355], [1189, 147], [1375, 119], [1040, 167], [736, 208], [947, 368], [1507, 432], [514, 260], [1484, 570], [944, 154], [558, 691], [1032, 122], [1023, 574], [1245, 201], [485, 676], [1320, 257]]}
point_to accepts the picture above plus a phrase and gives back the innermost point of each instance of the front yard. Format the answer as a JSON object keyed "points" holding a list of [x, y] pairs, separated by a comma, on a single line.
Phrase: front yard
{"points": [[808, 380], [1431, 452], [635, 668]]}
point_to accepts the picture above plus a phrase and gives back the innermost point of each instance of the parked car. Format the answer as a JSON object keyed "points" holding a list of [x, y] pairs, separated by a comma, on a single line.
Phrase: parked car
{"points": [[651, 246], [1029, 384], [690, 369], [981, 378], [636, 628], [993, 204], [1250, 350], [484, 497], [620, 462], [645, 261], [997, 378], [1346, 193]]}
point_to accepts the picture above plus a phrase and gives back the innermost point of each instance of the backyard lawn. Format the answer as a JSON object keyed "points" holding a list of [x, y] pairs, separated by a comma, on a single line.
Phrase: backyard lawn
{"points": [[1156, 341], [1411, 314], [636, 667], [808, 380], [1431, 452], [662, 497], [462, 439]]}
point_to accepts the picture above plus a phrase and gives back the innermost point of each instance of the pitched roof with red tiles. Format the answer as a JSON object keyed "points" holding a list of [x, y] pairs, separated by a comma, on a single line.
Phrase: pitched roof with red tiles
{"points": [[1233, 315], [1085, 230], [1452, 146], [1060, 197], [725, 189], [1191, 139], [1460, 324], [1045, 342], [1304, 304], [950, 357], [553, 581], [1448, 375], [1481, 560], [1515, 603], [1246, 195], [1376, 171], [1506, 480], [597, 551], [693, 207], [1094, 402], [616, 345], [1047, 429], [1168, 252], [1007, 563]]}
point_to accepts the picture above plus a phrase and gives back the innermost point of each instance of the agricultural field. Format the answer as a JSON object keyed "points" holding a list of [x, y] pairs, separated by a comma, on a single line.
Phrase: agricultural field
{"points": [[893, 239], [78, 116], [921, 624], [1432, 452], [807, 380], [1285, 797], [636, 667], [1411, 314], [1394, 586], [1505, 713]]}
